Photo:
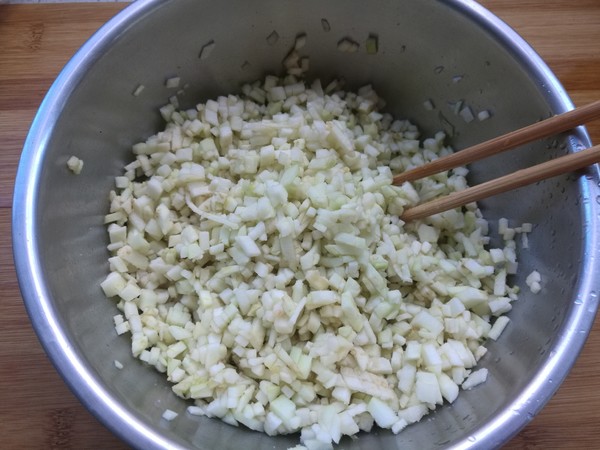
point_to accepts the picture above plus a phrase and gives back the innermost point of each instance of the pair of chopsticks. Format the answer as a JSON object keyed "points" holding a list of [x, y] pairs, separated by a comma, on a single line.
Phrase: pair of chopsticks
{"points": [[564, 164]]}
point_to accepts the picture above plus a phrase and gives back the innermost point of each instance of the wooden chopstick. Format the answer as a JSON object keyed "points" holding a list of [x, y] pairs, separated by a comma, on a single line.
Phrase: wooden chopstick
{"points": [[553, 125], [523, 177]]}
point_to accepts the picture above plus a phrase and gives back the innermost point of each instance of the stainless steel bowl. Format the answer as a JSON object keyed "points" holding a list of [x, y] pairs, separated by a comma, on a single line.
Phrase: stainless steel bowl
{"points": [[59, 238]]}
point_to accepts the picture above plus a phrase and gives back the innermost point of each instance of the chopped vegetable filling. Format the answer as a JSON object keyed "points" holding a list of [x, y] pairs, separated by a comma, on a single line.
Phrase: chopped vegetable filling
{"points": [[259, 262]]}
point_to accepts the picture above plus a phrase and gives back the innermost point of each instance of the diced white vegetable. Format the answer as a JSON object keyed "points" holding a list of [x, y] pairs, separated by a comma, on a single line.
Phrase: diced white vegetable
{"points": [[476, 378], [113, 284], [248, 246], [347, 45], [413, 413], [138, 90], [526, 227], [258, 261], [498, 327], [383, 415], [533, 281], [284, 408], [406, 378], [427, 388], [467, 114], [448, 388], [75, 165], [500, 283], [169, 415], [497, 255], [483, 115], [172, 82]]}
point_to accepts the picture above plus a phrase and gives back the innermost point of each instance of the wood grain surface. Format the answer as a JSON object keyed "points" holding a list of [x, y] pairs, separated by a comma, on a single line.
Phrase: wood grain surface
{"points": [[37, 410]]}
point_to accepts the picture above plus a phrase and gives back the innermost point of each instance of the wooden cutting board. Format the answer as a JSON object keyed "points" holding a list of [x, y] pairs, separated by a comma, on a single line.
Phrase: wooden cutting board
{"points": [[37, 410]]}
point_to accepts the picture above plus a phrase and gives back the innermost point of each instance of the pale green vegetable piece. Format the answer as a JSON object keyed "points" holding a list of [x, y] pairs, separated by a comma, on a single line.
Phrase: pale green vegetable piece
{"points": [[384, 415], [371, 44], [75, 165]]}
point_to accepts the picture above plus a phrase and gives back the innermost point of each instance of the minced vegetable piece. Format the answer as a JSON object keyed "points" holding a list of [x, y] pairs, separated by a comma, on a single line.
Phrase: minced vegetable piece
{"points": [[259, 261], [138, 90], [294, 63], [75, 165], [169, 415], [172, 82], [372, 44], [533, 281], [476, 378], [467, 114], [483, 115], [348, 45]]}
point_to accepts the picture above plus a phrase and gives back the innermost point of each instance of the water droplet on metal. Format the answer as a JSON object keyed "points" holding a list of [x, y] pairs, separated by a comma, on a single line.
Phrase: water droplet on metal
{"points": [[472, 439], [439, 69], [598, 199]]}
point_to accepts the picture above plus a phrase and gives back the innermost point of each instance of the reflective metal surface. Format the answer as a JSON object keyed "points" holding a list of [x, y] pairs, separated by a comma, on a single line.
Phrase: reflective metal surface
{"points": [[442, 51]]}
